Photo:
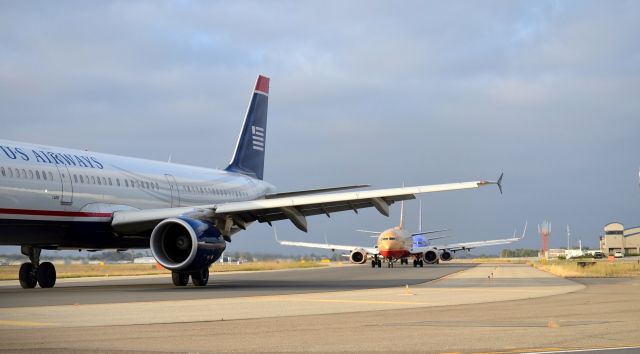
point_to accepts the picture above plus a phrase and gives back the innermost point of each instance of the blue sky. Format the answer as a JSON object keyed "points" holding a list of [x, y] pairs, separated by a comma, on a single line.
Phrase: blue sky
{"points": [[374, 92]]}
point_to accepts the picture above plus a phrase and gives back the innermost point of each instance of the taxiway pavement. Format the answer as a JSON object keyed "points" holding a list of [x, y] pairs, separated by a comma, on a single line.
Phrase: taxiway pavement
{"points": [[504, 308]]}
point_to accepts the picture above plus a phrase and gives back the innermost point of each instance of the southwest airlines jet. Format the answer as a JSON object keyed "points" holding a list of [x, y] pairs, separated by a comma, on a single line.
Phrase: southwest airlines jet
{"points": [[398, 244], [57, 198]]}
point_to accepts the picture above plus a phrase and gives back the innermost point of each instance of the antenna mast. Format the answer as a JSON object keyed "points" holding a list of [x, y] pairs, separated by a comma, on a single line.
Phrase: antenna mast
{"points": [[545, 230]]}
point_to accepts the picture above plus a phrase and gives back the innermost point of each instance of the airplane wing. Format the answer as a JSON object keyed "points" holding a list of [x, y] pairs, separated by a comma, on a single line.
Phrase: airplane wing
{"points": [[230, 217], [475, 244], [327, 246], [430, 232]]}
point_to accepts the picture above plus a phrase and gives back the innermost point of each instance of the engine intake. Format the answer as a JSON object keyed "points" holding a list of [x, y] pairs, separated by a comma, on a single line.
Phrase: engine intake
{"points": [[431, 256], [358, 256], [446, 256], [186, 244]]}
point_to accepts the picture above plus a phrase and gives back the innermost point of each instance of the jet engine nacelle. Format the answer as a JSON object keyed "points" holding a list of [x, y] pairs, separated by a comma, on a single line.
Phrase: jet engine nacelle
{"points": [[446, 256], [358, 256], [184, 244], [431, 256]]}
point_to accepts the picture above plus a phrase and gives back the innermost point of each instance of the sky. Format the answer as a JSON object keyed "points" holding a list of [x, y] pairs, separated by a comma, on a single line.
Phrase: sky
{"points": [[375, 92]]}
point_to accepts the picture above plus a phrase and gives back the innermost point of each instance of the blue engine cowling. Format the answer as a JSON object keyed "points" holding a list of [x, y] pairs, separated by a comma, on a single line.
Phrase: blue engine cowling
{"points": [[184, 244]]}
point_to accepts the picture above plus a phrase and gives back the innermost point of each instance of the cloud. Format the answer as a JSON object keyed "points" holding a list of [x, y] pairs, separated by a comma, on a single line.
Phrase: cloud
{"points": [[373, 92]]}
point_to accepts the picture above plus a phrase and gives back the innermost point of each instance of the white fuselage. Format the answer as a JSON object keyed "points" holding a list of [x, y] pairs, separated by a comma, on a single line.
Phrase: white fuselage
{"points": [[44, 185]]}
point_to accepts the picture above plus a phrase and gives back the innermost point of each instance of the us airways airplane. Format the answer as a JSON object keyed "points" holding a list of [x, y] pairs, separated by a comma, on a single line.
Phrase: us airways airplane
{"points": [[57, 198], [397, 243]]}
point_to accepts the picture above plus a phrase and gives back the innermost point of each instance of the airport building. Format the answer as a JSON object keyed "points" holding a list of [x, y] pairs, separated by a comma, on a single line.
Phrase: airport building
{"points": [[617, 238]]}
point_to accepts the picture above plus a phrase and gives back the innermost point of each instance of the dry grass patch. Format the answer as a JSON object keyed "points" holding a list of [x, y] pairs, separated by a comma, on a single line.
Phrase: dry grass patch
{"points": [[110, 270], [499, 260], [601, 269]]}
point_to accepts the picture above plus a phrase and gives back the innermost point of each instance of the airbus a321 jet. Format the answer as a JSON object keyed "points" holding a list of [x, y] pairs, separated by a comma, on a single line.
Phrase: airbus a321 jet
{"points": [[57, 198], [398, 244]]}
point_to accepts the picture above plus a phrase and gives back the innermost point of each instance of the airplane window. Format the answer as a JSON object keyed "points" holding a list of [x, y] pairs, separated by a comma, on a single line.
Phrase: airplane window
{"points": [[118, 182], [10, 172], [157, 186], [99, 182], [126, 183], [75, 178], [24, 173], [37, 174], [81, 179], [3, 172], [44, 175], [146, 185], [104, 181], [109, 179], [138, 184], [50, 175], [93, 180]]}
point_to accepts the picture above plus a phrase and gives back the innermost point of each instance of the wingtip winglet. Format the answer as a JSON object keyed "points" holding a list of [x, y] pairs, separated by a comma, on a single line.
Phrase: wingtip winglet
{"points": [[499, 183]]}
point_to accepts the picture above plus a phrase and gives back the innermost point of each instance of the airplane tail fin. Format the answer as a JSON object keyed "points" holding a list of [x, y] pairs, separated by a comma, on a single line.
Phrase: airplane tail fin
{"points": [[420, 217], [401, 226], [248, 157]]}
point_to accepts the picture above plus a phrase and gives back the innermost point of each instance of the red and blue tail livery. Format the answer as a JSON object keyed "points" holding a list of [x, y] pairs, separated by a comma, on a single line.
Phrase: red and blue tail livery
{"points": [[248, 158]]}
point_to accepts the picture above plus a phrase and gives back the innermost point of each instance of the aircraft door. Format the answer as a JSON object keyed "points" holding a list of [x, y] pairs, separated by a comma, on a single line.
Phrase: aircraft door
{"points": [[173, 188], [66, 195]]}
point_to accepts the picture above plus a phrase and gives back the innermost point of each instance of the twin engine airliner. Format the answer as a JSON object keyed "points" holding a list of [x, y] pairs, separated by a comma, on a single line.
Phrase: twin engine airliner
{"points": [[397, 244], [56, 198]]}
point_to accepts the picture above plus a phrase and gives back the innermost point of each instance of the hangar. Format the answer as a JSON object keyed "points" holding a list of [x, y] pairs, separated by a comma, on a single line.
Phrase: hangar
{"points": [[617, 238]]}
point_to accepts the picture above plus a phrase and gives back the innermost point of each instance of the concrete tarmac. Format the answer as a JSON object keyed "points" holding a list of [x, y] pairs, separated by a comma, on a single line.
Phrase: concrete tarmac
{"points": [[485, 308], [221, 285]]}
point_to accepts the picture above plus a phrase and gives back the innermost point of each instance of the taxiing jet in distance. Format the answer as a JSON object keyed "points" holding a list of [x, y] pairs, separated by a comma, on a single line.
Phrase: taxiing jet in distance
{"points": [[397, 244], [56, 198]]}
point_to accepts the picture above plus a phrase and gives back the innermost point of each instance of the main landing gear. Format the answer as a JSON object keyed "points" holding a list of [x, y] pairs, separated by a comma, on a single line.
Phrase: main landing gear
{"points": [[404, 261], [199, 278], [376, 262], [418, 262], [34, 272]]}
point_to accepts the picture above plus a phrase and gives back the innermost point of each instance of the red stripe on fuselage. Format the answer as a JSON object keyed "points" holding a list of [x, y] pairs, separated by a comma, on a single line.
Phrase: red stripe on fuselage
{"points": [[55, 213], [394, 253]]}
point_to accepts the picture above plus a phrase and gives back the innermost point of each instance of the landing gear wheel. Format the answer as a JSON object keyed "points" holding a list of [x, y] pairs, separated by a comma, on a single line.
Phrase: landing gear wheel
{"points": [[415, 263], [27, 276], [201, 277], [373, 263], [180, 278], [421, 263], [379, 263], [46, 275]]}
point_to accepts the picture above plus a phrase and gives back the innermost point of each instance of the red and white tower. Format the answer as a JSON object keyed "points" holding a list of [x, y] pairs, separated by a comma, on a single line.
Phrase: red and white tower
{"points": [[544, 230]]}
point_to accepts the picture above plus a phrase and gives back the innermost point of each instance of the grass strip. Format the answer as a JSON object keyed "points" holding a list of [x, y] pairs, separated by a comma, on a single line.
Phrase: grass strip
{"points": [[110, 270]]}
